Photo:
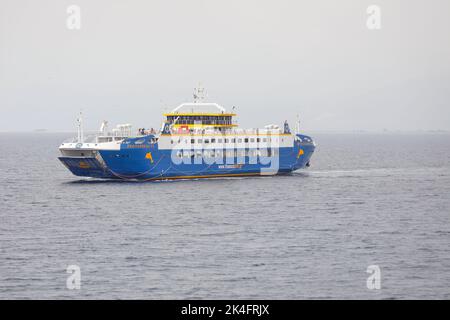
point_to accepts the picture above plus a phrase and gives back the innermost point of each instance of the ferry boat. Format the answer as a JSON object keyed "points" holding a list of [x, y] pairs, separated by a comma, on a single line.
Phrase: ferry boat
{"points": [[196, 140]]}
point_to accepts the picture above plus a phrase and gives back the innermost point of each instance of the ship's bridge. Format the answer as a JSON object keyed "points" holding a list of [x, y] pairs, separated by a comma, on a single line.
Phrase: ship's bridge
{"points": [[200, 115]]}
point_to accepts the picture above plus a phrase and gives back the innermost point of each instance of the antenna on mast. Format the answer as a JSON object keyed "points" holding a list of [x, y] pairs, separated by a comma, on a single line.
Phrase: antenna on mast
{"points": [[297, 125], [104, 127], [199, 94], [80, 128]]}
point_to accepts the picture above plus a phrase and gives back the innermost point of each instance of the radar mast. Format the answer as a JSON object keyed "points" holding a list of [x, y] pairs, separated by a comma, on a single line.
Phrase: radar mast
{"points": [[199, 94]]}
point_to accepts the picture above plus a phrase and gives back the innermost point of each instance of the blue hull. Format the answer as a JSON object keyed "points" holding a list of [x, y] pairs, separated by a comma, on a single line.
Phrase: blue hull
{"points": [[140, 159], [145, 161]]}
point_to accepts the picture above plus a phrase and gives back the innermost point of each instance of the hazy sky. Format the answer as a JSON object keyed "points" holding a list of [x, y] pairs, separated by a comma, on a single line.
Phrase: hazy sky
{"points": [[271, 59]]}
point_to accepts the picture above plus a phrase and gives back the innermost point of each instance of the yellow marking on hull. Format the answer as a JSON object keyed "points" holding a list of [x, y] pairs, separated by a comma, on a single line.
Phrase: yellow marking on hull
{"points": [[300, 152], [149, 156], [83, 165]]}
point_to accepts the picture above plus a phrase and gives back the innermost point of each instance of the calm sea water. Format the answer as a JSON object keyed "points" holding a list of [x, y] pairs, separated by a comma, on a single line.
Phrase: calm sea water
{"points": [[368, 199]]}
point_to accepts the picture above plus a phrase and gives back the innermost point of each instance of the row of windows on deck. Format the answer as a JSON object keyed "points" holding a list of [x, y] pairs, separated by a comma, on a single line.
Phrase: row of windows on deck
{"points": [[223, 120], [220, 140], [227, 153]]}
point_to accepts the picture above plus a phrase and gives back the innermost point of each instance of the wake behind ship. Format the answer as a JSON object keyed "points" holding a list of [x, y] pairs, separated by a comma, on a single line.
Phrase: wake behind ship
{"points": [[196, 140]]}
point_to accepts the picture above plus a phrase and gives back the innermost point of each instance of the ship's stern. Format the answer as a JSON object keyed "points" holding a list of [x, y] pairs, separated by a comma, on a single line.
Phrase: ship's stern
{"points": [[84, 161]]}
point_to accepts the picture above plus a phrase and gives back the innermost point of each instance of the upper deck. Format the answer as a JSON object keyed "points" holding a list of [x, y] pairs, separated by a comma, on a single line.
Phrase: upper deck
{"points": [[200, 115]]}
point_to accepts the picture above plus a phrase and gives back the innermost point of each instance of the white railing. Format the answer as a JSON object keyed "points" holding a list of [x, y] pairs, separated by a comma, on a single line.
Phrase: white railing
{"points": [[92, 138]]}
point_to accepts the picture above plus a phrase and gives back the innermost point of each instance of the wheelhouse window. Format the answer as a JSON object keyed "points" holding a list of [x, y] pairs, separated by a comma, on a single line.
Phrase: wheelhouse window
{"points": [[208, 120]]}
